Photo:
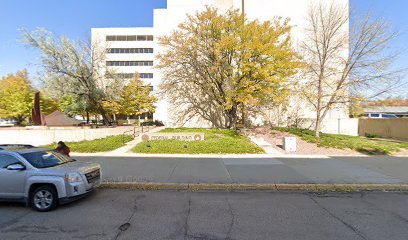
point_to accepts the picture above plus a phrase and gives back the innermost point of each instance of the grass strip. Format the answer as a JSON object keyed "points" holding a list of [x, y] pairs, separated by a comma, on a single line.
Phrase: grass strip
{"points": [[106, 144], [361, 144], [217, 141]]}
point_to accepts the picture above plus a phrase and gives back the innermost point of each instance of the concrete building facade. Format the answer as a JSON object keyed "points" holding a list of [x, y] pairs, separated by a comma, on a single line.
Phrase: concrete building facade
{"points": [[132, 50]]}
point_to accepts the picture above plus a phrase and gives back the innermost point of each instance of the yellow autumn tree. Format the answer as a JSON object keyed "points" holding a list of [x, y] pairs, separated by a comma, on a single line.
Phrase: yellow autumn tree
{"points": [[17, 95], [215, 63], [136, 98]]}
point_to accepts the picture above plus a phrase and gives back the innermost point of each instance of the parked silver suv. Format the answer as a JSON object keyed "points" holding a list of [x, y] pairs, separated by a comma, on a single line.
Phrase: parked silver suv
{"points": [[43, 178]]}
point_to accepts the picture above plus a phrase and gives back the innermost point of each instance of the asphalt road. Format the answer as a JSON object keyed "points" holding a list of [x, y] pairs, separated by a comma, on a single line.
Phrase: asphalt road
{"points": [[122, 214]]}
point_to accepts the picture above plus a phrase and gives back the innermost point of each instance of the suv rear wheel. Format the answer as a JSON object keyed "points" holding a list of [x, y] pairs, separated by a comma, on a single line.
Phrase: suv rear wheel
{"points": [[44, 198]]}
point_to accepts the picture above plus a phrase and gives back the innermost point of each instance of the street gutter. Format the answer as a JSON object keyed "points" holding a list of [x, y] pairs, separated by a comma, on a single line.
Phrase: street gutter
{"points": [[255, 186]]}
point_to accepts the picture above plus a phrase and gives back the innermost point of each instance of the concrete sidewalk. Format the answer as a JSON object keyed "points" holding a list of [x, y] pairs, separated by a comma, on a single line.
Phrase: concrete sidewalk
{"points": [[253, 170], [125, 149]]}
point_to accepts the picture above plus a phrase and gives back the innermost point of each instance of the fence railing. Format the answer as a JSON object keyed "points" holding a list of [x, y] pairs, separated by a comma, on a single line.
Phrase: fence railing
{"points": [[136, 132]]}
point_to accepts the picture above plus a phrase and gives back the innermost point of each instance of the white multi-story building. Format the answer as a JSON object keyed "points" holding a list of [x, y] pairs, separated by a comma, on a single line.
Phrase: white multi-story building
{"points": [[127, 51], [133, 49]]}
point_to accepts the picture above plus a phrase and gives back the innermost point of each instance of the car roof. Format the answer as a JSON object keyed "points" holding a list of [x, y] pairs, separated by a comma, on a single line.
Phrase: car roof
{"points": [[12, 147], [21, 148], [31, 150]]}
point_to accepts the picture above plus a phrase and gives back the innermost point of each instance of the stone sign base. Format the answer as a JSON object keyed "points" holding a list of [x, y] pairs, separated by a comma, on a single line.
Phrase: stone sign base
{"points": [[173, 136]]}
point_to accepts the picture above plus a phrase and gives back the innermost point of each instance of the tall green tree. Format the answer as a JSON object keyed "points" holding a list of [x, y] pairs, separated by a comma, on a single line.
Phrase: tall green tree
{"points": [[69, 68], [214, 63], [74, 105]]}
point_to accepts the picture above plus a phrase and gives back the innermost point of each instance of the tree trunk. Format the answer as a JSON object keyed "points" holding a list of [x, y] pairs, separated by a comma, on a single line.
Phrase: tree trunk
{"points": [[105, 117], [317, 128], [243, 115], [87, 117], [232, 117]]}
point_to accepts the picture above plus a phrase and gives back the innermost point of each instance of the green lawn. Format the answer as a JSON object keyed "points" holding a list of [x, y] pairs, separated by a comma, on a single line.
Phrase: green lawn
{"points": [[98, 145], [216, 141], [361, 144]]}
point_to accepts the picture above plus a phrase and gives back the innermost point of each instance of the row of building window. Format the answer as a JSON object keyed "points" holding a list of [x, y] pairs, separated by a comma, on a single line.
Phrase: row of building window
{"points": [[129, 38], [130, 50], [130, 75], [150, 88], [129, 63]]}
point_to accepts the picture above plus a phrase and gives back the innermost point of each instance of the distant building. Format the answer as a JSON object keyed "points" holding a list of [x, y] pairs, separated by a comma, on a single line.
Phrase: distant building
{"points": [[386, 111], [130, 50]]}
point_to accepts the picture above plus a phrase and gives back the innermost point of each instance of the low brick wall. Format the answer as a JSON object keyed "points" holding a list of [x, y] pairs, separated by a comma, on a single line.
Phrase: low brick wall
{"points": [[395, 128], [39, 137]]}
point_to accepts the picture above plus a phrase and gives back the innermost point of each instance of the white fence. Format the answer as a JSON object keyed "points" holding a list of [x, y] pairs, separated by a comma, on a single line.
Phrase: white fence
{"points": [[346, 126], [39, 137]]}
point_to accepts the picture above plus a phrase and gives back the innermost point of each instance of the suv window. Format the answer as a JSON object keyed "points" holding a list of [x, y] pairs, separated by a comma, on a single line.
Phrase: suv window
{"points": [[46, 159], [7, 160]]}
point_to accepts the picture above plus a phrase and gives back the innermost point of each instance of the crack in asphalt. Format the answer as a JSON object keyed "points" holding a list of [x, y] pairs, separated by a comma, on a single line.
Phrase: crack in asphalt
{"points": [[186, 222], [13, 221], [39, 229], [122, 228], [99, 235], [172, 171], [228, 236], [226, 170], [201, 236], [351, 227], [394, 214]]}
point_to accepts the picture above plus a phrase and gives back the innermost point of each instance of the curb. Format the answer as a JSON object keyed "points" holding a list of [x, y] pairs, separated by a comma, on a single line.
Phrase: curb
{"points": [[255, 186], [195, 156]]}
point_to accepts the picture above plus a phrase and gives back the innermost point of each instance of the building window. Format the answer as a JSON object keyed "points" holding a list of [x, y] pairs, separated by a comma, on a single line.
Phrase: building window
{"points": [[129, 38], [120, 38], [129, 63], [129, 75], [141, 38], [110, 38], [146, 75], [129, 50]]}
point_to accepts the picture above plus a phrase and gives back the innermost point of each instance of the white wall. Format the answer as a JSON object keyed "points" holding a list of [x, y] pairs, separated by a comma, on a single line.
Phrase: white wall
{"points": [[346, 126], [38, 137]]}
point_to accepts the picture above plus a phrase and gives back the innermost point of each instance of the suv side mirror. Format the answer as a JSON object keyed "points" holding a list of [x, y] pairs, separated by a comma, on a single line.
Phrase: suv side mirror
{"points": [[16, 167]]}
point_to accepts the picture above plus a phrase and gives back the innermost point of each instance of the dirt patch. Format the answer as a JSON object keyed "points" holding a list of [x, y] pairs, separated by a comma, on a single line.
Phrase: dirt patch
{"points": [[403, 152], [219, 136], [303, 148]]}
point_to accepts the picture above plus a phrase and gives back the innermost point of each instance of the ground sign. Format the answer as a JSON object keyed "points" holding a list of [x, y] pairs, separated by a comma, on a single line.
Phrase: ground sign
{"points": [[173, 136]]}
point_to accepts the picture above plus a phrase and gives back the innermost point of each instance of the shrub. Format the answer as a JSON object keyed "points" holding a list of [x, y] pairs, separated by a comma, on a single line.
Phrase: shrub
{"points": [[370, 135], [152, 123]]}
